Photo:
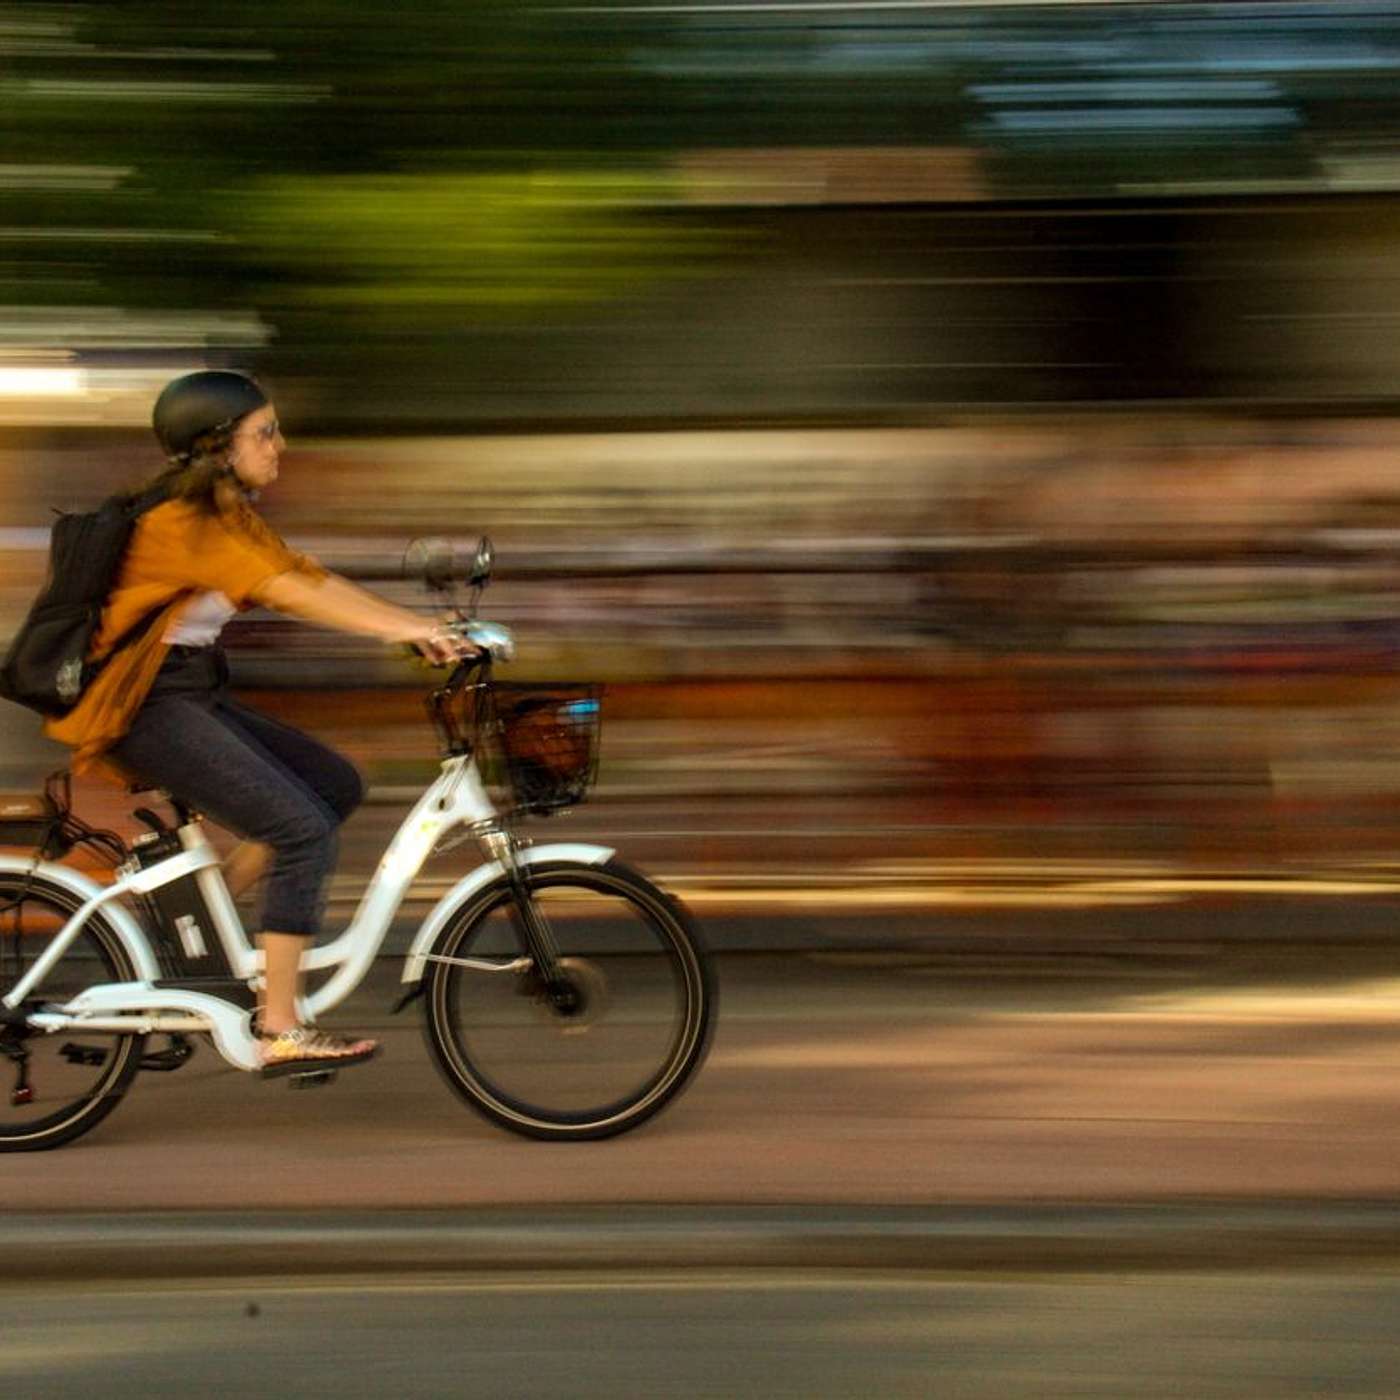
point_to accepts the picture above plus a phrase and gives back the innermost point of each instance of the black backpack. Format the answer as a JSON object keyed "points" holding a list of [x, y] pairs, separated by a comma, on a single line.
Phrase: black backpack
{"points": [[46, 666]]}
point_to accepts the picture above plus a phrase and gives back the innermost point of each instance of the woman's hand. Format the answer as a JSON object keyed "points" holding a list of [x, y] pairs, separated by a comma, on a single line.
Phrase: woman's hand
{"points": [[443, 645]]}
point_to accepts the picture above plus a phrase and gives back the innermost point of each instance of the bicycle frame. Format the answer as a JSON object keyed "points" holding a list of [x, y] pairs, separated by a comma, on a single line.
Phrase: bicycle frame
{"points": [[456, 798]]}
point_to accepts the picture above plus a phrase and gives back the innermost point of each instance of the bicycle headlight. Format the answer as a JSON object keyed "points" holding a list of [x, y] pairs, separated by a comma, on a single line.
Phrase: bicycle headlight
{"points": [[491, 636]]}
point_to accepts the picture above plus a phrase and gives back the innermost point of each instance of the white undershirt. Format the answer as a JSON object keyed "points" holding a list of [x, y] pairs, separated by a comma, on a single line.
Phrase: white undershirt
{"points": [[200, 623]]}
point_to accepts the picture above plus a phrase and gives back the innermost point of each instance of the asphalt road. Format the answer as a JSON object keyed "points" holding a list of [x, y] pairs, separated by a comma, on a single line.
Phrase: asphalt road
{"points": [[764, 1334], [867, 1079], [901, 1173]]}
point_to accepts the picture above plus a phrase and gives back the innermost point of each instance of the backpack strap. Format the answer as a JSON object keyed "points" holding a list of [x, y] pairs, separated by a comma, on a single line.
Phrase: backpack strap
{"points": [[139, 502], [136, 506]]}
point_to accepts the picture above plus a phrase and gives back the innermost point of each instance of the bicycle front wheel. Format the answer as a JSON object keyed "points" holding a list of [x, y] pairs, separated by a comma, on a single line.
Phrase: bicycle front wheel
{"points": [[621, 1032], [56, 1087]]}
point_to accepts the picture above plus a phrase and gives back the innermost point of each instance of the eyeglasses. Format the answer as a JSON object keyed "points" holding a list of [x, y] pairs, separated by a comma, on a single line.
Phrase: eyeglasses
{"points": [[265, 432]]}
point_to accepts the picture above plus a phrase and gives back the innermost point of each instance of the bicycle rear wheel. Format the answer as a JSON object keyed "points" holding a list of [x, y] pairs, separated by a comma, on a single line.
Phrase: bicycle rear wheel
{"points": [[74, 1080], [603, 1052]]}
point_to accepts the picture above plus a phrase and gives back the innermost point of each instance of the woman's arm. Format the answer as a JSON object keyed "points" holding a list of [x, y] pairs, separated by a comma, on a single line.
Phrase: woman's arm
{"points": [[335, 602]]}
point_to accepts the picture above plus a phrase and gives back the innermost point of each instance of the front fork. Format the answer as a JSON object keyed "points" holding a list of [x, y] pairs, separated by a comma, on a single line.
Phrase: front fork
{"points": [[549, 975]]}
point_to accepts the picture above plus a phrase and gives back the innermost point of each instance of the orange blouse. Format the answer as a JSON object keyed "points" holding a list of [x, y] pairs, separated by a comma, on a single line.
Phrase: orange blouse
{"points": [[177, 549]]}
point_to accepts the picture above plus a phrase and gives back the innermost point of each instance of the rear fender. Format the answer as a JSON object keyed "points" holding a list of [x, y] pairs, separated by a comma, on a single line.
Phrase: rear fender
{"points": [[469, 886], [122, 922]]}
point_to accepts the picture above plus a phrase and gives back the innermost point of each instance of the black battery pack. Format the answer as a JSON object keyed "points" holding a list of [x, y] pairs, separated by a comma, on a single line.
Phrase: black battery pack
{"points": [[189, 944]]}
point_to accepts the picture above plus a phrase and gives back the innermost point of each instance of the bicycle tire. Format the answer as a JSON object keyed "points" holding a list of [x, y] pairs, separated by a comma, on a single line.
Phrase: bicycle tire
{"points": [[641, 1024], [72, 1094]]}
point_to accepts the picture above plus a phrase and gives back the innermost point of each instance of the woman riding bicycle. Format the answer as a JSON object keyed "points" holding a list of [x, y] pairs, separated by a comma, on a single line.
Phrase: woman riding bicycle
{"points": [[160, 708]]}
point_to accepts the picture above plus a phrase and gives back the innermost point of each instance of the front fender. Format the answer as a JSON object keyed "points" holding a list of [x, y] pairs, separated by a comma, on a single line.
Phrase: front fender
{"points": [[479, 878], [116, 914]]}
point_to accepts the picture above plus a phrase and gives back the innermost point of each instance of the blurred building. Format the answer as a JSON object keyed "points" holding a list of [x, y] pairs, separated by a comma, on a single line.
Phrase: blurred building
{"points": [[988, 405]]}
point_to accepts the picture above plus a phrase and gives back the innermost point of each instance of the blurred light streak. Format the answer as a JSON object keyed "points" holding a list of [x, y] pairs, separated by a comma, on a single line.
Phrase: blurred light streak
{"points": [[849, 6], [796, 175], [1359, 1000], [875, 366], [187, 55], [205, 93], [1146, 119], [77, 328], [76, 395], [857, 887], [42, 383], [1294, 61], [1110, 91], [31, 37], [62, 177], [98, 234], [34, 37]]}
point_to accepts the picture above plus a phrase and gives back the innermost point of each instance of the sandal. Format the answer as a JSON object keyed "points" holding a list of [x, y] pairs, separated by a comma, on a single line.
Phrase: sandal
{"points": [[305, 1048]]}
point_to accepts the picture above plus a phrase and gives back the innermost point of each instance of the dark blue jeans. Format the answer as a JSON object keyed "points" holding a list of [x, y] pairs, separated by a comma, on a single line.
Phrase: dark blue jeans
{"points": [[260, 778]]}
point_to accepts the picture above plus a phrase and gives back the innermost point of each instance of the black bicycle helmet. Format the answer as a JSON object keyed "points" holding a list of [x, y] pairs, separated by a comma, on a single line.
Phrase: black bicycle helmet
{"points": [[196, 403]]}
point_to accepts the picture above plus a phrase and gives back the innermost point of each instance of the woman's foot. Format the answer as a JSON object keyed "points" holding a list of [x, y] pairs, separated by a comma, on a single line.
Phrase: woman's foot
{"points": [[305, 1048]]}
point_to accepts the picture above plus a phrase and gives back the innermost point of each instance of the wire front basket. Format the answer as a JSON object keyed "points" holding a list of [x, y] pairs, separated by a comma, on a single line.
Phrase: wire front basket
{"points": [[547, 736]]}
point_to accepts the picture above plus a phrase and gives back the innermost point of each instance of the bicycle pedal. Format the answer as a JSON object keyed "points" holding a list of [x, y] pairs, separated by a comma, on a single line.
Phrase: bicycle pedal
{"points": [[311, 1078], [83, 1054]]}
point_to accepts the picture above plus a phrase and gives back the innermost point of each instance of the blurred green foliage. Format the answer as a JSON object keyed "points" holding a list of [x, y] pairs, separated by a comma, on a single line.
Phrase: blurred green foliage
{"points": [[364, 174], [414, 198], [455, 242]]}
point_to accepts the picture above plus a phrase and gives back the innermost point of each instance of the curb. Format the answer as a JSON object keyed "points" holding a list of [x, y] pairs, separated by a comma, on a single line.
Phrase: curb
{"points": [[104, 1249]]}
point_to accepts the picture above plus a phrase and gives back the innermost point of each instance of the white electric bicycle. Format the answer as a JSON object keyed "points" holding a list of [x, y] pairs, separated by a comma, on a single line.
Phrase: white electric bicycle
{"points": [[566, 996]]}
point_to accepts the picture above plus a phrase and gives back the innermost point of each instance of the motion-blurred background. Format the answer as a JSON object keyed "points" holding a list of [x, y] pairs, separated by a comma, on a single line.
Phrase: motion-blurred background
{"points": [[975, 422]]}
